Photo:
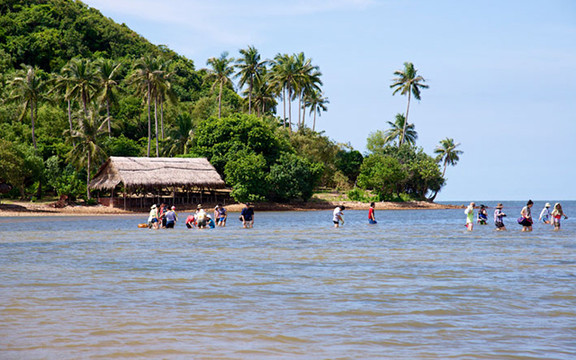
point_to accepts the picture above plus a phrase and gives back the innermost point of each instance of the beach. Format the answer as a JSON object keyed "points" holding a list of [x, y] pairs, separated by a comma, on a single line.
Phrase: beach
{"points": [[22, 208]]}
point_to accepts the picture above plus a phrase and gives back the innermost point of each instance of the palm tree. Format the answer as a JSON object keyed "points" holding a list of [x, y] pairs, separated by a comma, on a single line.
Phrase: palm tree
{"points": [[91, 129], [251, 69], [107, 73], [162, 88], [221, 72], [83, 83], [28, 89], [307, 80], [448, 153], [180, 137], [408, 82], [142, 79], [61, 84], [263, 95], [283, 76], [399, 129], [317, 103]]}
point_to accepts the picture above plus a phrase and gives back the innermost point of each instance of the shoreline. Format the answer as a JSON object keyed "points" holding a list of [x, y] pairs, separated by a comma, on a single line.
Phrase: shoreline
{"points": [[16, 208]]}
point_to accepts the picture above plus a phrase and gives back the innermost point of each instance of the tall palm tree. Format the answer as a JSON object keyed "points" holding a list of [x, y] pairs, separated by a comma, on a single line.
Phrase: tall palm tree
{"points": [[400, 130], [83, 82], [142, 79], [162, 88], [28, 89], [251, 69], [61, 85], [408, 83], [221, 72], [307, 80], [448, 153], [317, 103], [107, 72], [91, 129], [283, 75]]}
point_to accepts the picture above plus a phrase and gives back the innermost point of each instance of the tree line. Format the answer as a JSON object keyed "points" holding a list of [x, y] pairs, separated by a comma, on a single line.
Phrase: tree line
{"points": [[66, 108]]}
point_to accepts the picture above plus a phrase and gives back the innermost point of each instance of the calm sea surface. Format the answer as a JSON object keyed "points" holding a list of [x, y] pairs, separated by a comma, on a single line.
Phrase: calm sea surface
{"points": [[415, 286]]}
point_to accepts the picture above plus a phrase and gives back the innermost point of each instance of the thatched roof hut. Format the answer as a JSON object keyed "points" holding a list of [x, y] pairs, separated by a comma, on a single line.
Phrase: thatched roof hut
{"points": [[142, 172]]}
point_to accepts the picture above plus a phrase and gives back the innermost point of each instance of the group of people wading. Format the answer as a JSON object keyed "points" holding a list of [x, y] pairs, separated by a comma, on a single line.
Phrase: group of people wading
{"points": [[546, 216], [163, 217]]}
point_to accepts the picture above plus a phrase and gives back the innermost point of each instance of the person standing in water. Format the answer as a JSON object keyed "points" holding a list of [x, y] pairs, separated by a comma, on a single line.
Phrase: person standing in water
{"points": [[545, 214], [247, 216], [499, 218], [482, 215], [171, 218], [470, 216], [371, 217], [557, 214], [153, 218], [338, 215], [526, 217]]}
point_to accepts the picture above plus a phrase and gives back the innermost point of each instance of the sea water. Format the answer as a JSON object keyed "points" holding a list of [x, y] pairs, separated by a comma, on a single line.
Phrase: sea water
{"points": [[415, 286]]}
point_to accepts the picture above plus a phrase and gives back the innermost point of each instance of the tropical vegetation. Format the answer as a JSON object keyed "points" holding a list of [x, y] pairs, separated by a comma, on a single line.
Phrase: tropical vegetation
{"points": [[75, 87]]}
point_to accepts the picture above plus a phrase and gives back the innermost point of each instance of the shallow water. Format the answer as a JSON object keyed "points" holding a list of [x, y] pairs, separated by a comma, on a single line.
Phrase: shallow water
{"points": [[415, 286]]}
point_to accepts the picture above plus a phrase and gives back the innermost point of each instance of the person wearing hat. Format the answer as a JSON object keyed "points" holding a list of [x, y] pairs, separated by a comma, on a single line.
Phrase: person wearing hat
{"points": [[171, 218], [470, 216], [200, 217], [482, 215], [247, 216], [545, 214], [220, 215], [499, 218], [557, 214], [153, 217]]}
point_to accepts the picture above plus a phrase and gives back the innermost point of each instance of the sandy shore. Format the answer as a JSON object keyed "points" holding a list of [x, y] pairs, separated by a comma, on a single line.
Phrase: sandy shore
{"points": [[44, 209]]}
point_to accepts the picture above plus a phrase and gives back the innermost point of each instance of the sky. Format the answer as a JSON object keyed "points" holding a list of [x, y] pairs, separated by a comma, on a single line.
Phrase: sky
{"points": [[501, 74]]}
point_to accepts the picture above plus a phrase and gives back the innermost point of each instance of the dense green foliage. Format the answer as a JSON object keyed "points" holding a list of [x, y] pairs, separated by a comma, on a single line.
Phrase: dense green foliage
{"points": [[76, 87]]}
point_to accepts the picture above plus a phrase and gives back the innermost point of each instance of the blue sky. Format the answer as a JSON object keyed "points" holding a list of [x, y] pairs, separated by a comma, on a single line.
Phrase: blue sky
{"points": [[502, 74]]}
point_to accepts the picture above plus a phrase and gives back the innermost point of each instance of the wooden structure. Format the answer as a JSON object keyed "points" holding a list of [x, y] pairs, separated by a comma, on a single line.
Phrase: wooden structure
{"points": [[144, 181]]}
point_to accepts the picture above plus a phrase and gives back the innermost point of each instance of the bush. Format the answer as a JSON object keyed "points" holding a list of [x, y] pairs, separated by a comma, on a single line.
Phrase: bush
{"points": [[292, 177]]}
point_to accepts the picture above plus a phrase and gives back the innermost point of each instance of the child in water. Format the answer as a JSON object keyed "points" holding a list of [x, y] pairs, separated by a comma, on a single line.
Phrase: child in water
{"points": [[338, 216], [545, 214]]}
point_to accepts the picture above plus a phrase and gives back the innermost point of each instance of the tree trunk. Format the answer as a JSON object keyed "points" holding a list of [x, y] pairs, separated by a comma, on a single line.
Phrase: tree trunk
{"points": [[162, 117], [88, 177], [220, 102], [314, 123], [70, 120], [290, 110], [284, 98], [108, 117], [299, 110], [303, 115], [149, 123], [156, 124], [445, 165], [250, 96], [405, 120], [32, 106]]}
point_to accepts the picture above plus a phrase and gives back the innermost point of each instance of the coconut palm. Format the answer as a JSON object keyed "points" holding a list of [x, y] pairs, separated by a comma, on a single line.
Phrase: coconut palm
{"points": [[447, 153], [91, 129], [408, 83], [307, 81], [61, 85], [220, 73], [317, 103], [251, 69], [83, 82], [28, 89], [107, 76], [142, 79], [283, 75], [263, 95], [162, 89], [180, 137], [399, 129]]}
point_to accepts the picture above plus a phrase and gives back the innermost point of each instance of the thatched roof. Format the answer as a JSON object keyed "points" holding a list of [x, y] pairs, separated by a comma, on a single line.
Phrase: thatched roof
{"points": [[156, 172]]}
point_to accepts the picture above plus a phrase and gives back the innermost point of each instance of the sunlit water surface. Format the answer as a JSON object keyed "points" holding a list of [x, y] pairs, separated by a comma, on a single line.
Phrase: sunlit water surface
{"points": [[415, 286]]}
